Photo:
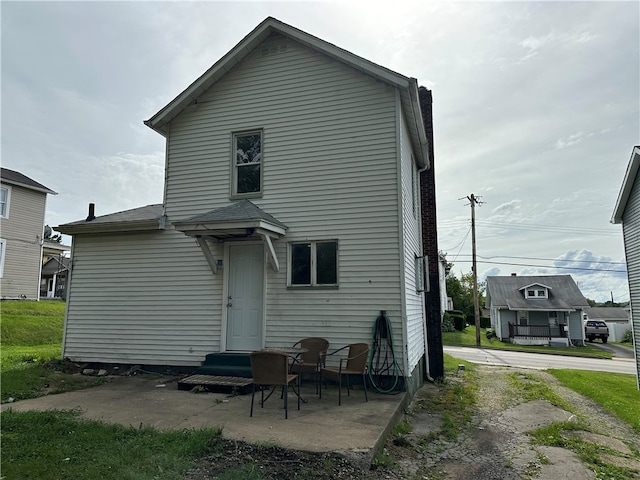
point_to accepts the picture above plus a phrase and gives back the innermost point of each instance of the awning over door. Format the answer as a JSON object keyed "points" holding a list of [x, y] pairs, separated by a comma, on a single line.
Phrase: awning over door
{"points": [[239, 220]]}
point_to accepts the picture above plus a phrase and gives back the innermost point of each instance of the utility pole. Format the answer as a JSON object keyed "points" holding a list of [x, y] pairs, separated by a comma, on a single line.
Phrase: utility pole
{"points": [[473, 200]]}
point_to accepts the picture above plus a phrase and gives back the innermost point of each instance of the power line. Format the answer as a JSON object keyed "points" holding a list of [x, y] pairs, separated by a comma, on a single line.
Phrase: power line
{"points": [[550, 266], [551, 259]]}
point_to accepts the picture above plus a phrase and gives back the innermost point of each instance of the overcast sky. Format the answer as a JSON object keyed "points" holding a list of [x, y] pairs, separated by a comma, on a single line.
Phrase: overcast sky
{"points": [[536, 110]]}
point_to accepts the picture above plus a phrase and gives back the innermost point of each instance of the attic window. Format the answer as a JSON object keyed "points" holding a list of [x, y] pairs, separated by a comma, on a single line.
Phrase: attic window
{"points": [[538, 292]]}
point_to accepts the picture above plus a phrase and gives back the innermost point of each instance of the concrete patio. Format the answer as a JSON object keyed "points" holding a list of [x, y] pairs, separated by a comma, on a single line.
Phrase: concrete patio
{"points": [[357, 428]]}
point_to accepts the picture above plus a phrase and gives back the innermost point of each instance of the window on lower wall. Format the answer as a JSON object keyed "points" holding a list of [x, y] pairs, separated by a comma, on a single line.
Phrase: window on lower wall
{"points": [[313, 264], [3, 247]]}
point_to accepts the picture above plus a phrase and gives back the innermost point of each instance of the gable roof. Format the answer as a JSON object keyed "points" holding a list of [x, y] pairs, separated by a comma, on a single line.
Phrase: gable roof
{"points": [[150, 217], [627, 185], [505, 292], [11, 177], [535, 285], [408, 87]]}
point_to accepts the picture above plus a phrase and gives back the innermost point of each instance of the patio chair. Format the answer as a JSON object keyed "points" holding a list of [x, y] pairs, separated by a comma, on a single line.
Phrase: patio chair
{"points": [[271, 369], [313, 359], [354, 364]]}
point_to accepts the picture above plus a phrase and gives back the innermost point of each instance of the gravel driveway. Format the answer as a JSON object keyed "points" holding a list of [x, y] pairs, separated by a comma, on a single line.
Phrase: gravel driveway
{"points": [[495, 444]]}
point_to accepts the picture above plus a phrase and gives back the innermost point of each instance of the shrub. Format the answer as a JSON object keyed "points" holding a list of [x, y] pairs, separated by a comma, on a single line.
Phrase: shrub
{"points": [[490, 333], [447, 323], [627, 337], [485, 322]]}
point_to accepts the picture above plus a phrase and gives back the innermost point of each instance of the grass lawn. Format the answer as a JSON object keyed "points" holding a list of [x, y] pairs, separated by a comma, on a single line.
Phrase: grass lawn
{"points": [[58, 445], [467, 338], [31, 337], [616, 392]]}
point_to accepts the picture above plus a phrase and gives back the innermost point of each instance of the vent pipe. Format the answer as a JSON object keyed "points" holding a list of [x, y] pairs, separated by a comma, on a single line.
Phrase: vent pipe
{"points": [[92, 212]]}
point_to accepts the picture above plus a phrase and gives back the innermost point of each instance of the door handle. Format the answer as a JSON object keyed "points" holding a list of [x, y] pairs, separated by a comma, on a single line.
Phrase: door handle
{"points": [[229, 305]]}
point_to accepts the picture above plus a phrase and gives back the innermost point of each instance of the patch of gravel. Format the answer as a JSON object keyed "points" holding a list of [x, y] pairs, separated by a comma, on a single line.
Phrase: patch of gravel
{"points": [[494, 446]]}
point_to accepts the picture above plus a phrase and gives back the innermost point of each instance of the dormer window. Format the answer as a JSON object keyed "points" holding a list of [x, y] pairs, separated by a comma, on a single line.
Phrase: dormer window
{"points": [[536, 291]]}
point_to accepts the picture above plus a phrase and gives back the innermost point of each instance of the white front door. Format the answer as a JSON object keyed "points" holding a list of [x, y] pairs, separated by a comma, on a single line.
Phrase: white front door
{"points": [[245, 297]]}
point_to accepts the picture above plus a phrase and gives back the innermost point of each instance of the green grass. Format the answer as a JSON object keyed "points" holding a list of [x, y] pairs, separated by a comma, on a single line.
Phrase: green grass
{"points": [[556, 435], [616, 392], [467, 338], [529, 387], [30, 366], [58, 445]]}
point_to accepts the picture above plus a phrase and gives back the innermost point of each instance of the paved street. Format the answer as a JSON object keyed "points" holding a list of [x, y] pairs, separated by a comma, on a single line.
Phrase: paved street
{"points": [[539, 360]]}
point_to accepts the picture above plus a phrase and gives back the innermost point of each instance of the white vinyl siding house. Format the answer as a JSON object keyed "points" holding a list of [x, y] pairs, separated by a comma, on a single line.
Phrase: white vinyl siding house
{"points": [[337, 148], [21, 227], [627, 212], [147, 308]]}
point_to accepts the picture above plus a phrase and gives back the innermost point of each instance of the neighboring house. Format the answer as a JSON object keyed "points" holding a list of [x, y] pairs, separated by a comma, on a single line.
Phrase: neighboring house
{"points": [[291, 209], [618, 319], [22, 207], [53, 278], [627, 212], [536, 310]]}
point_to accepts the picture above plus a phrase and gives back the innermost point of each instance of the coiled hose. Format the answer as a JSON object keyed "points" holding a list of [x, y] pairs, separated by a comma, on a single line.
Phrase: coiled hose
{"points": [[384, 371]]}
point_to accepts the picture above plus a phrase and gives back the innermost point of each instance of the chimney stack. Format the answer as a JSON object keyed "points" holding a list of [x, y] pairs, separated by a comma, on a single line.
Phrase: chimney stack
{"points": [[92, 212]]}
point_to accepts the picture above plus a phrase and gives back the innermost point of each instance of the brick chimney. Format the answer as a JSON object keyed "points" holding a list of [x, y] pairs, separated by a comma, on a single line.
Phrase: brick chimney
{"points": [[430, 244]]}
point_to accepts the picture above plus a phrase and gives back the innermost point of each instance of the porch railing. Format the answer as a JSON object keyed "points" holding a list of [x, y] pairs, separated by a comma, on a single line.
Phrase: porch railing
{"points": [[536, 331]]}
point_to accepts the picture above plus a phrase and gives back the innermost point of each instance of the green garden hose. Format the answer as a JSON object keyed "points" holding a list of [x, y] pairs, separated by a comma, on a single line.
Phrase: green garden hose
{"points": [[384, 371]]}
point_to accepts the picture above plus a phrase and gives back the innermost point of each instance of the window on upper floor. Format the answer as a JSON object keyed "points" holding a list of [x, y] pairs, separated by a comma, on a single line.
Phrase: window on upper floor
{"points": [[5, 192], [247, 164], [313, 264]]}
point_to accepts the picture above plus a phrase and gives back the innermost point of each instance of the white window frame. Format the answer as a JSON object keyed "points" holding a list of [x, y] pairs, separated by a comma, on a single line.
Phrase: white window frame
{"points": [[314, 267], [7, 202], [421, 265], [534, 292], [234, 164], [3, 253]]}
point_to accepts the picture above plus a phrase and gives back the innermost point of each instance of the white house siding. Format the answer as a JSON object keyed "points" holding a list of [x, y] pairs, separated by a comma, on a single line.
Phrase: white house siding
{"points": [[22, 231], [506, 317], [631, 233], [329, 172], [576, 328], [146, 298], [412, 247]]}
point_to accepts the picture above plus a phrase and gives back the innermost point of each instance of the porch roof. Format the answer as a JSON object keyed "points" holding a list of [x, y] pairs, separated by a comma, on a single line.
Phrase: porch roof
{"points": [[239, 220]]}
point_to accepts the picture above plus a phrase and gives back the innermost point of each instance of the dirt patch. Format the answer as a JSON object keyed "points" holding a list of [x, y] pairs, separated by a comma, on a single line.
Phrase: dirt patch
{"points": [[493, 445]]}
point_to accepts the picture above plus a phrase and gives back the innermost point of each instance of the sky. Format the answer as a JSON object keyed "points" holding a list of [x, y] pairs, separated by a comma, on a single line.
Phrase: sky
{"points": [[536, 110]]}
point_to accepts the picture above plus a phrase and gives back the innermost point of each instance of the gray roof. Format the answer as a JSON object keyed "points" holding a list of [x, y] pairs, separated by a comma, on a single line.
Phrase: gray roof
{"points": [[12, 177], [240, 211], [506, 292], [608, 313], [149, 215]]}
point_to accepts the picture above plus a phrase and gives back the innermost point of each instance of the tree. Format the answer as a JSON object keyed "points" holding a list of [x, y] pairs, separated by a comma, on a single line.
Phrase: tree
{"points": [[461, 292]]}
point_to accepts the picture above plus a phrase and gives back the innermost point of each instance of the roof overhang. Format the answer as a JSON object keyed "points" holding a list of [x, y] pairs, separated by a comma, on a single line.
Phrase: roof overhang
{"points": [[408, 87], [534, 285], [627, 185], [229, 230], [111, 227]]}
